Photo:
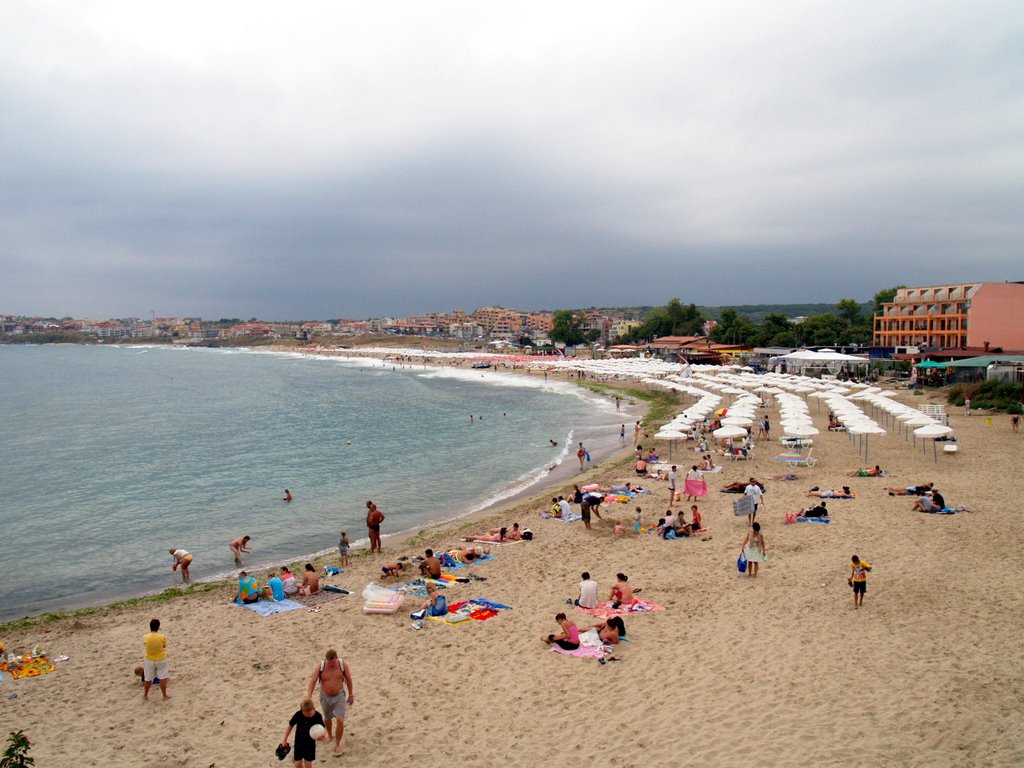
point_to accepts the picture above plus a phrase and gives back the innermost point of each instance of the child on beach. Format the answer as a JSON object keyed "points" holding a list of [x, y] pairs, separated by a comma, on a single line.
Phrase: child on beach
{"points": [[858, 579], [392, 569], [305, 745], [343, 544], [637, 520]]}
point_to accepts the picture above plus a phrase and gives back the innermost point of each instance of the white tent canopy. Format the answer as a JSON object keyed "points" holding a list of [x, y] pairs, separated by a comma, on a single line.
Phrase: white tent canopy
{"points": [[805, 359]]}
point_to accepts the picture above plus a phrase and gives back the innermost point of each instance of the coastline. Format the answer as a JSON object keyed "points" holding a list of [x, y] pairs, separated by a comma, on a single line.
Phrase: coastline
{"points": [[554, 480]]}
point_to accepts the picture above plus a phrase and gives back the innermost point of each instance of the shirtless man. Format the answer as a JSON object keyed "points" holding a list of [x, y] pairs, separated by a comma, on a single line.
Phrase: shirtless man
{"points": [[238, 546], [334, 676], [431, 566], [622, 592], [374, 517]]}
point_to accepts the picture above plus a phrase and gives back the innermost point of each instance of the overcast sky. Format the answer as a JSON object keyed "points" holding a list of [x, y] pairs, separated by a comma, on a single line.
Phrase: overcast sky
{"points": [[332, 159]]}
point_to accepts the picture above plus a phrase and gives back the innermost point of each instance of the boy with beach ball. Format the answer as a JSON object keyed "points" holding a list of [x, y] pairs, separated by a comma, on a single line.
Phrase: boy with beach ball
{"points": [[309, 729]]}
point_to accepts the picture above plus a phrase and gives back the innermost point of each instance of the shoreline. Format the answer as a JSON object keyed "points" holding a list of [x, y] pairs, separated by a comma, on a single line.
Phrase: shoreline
{"points": [[605, 448]]}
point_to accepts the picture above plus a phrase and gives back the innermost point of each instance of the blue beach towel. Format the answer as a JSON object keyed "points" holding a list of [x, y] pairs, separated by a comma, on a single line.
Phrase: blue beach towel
{"points": [[268, 608]]}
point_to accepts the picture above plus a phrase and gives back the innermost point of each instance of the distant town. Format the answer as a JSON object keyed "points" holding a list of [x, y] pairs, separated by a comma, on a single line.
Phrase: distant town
{"points": [[938, 322], [485, 324]]}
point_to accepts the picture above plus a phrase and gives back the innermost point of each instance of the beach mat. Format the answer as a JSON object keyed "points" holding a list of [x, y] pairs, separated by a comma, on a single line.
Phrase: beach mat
{"points": [[570, 518], [449, 562], [269, 607], [584, 651], [27, 666], [606, 612], [478, 609], [419, 586]]}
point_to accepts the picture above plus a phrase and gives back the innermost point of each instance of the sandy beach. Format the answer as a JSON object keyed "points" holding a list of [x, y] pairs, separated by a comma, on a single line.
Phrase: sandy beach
{"points": [[778, 670]]}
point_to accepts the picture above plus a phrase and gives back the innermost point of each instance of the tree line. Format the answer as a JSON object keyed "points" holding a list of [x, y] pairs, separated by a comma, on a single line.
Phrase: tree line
{"points": [[848, 323]]}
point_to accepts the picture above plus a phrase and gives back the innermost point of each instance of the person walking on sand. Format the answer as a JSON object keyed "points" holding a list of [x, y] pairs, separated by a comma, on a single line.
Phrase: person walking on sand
{"points": [[334, 677], [238, 546], [753, 549], [755, 491], [374, 517], [622, 433], [581, 454], [967, 406], [858, 579], [672, 485], [1015, 422], [182, 559], [305, 745], [636, 433], [154, 664]]}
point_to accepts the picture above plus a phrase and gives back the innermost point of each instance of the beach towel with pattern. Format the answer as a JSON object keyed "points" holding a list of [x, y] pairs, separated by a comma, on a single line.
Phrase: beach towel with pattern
{"points": [[605, 611], [478, 609]]}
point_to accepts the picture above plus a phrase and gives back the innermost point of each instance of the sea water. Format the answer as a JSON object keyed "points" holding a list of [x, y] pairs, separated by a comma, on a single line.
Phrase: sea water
{"points": [[110, 456]]}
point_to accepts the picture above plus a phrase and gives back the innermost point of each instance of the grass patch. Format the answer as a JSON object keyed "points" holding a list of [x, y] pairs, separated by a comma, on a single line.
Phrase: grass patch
{"points": [[661, 404], [160, 597]]}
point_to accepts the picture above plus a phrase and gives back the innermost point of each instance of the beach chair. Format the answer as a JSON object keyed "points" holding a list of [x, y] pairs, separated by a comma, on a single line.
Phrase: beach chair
{"points": [[798, 460]]}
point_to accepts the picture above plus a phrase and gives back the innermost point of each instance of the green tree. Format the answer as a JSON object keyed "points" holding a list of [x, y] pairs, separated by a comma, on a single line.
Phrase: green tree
{"points": [[735, 328], [776, 331], [849, 310], [565, 328], [674, 319], [884, 296]]}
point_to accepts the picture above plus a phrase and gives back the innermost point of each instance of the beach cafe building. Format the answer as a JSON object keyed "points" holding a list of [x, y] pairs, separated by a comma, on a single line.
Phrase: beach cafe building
{"points": [[1005, 368]]}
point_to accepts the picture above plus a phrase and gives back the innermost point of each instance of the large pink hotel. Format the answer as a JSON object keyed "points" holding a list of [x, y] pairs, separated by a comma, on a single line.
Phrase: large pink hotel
{"points": [[946, 316]]}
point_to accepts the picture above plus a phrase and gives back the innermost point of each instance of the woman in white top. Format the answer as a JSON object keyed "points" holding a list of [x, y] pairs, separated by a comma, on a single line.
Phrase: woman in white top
{"points": [[183, 559], [754, 549]]}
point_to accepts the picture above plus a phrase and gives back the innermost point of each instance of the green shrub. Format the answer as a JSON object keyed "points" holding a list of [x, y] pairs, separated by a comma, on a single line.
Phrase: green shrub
{"points": [[16, 754], [991, 395]]}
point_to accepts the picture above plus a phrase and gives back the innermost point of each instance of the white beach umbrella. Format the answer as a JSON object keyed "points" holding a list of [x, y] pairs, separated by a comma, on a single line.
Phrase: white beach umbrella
{"points": [[736, 421], [932, 431], [800, 430], [726, 432]]}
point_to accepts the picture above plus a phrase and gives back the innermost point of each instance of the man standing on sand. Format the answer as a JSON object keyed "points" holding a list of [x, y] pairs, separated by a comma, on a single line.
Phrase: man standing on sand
{"points": [[636, 434], [334, 676], [374, 517], [858, 579], [154, 664], [672, 485]]}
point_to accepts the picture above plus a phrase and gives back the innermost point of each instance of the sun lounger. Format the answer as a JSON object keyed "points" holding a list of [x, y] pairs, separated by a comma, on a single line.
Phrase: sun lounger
{"points": [[798, 460]]}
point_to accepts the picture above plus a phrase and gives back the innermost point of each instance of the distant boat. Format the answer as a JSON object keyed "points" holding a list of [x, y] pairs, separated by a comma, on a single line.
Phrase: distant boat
{"points": [[481, 365]]}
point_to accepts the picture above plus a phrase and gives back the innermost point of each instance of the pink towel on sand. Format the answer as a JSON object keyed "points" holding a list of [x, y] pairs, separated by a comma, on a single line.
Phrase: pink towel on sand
{"points": [[604, 611], [584, 651]]}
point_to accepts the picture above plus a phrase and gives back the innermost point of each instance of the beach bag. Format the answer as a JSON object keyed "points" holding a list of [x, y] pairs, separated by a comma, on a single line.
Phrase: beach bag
{"points": [[741, 563]]}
